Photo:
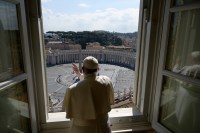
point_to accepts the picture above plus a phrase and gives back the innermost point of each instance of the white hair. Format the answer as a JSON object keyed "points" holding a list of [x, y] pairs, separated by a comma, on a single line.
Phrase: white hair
{"points": [[196, 56]]}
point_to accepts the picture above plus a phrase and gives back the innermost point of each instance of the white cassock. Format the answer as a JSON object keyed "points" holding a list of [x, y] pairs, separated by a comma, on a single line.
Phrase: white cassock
{"points": [[87, 104], [188, 101]]}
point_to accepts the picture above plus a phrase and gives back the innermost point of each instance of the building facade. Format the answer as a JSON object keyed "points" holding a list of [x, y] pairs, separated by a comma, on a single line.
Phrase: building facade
{"points": [[126, 59]]}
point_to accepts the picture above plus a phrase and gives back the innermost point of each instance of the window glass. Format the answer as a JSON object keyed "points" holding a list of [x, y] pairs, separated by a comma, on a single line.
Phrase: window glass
{"points": [[180, 106], [11, 61], [183, 54], [183, 2], [14, 112]]}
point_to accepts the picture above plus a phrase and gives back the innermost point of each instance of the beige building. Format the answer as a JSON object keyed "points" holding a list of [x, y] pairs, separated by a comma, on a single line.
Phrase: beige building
{"points": [[56, 57], [119, 48]]}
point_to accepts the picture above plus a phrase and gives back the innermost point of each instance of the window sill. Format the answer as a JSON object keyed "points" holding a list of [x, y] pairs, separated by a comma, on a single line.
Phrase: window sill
{"points": [[57, 117], [120, 112], [119, 119]]}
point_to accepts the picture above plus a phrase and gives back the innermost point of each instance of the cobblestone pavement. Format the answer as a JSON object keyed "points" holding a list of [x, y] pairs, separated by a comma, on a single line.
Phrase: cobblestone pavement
{"points": [[60, 77]]}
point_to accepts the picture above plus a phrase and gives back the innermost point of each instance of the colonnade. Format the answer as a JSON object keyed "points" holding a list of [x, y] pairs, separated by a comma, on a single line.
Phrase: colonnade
{"points": [[126, 59]]}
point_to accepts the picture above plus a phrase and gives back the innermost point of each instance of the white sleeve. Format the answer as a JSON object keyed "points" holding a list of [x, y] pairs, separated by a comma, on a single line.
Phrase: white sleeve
{"points": [[66, 100]]}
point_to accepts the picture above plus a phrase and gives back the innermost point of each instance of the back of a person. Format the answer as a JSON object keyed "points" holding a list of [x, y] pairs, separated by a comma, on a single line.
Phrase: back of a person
{"points": [[88, 102], [95, 89], [92, 103]]}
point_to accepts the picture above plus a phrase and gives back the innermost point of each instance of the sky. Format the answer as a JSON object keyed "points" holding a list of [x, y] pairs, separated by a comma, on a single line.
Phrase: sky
{"points": [[89, 15]]}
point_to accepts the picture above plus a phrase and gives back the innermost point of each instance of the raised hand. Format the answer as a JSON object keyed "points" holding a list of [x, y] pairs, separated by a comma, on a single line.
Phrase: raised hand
{"points": [[76, 70]]}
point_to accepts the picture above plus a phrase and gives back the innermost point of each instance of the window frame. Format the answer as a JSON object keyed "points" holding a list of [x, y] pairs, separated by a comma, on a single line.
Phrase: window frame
{"points": [[169, 9], [153, 28], [27, 75], [35, 35], [148, 34]]}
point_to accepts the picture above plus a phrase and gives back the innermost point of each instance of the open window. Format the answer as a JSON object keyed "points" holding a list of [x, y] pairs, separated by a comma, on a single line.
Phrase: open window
{"points": [[117, 62], [112, 41], [167, 32], [177, 94], [145, 72], [16, 81]]}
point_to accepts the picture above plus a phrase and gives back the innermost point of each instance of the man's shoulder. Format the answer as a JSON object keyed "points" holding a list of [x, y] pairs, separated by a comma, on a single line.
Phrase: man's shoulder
{"points": [[76, 85], [103, 77]]}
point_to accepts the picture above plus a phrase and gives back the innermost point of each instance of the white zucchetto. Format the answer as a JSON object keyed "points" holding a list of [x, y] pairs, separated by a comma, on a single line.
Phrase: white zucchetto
{"points": [[90, 62]]}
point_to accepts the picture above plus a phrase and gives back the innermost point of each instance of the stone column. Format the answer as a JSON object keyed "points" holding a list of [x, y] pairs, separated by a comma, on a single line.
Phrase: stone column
{"points": [[80, 60]]}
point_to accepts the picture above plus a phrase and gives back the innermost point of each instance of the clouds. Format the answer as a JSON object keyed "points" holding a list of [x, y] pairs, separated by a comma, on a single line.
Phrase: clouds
{"points": [[45, 1], [110, 19], [84, 5]]}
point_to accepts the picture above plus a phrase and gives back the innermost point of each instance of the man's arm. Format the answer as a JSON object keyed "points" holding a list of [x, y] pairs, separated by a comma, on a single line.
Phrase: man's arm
{"points": [[66, 100], [77, 71], [111, 91]]}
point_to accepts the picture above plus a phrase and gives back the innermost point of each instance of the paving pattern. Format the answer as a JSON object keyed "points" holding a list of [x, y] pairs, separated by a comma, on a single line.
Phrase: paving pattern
{"points": [[60, 77]]}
